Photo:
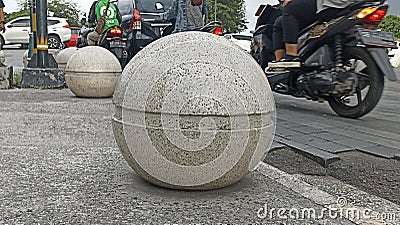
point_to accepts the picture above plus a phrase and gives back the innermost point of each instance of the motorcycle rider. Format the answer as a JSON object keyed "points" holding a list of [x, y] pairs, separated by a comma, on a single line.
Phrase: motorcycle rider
{"points": [[297, 15], [188, 14], [112, 18]]}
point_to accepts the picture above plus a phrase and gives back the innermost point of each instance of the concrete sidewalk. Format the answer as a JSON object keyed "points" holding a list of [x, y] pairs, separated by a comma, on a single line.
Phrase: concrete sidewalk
{"points": [[59, 164]]}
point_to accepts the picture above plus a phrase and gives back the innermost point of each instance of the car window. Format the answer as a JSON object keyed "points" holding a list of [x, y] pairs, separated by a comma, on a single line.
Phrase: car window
{"points": [[242, 37], [52, 22], [21, 23], [125, 7], [149, 5]]}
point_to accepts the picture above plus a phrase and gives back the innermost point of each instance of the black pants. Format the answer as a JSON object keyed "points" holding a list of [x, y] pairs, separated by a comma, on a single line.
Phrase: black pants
{"points": [[296, 16]]}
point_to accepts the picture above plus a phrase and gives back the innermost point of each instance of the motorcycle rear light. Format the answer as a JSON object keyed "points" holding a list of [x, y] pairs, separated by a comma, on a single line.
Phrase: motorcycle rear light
{"points": [[116, 31], [373, 15], [377, 16], [136, 23], [365, 12], [218, 31]]}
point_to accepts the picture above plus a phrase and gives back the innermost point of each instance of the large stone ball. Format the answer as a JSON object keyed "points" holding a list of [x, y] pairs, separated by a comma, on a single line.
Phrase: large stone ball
{"points": [[63, 57], [92, 72], [193, 112]]}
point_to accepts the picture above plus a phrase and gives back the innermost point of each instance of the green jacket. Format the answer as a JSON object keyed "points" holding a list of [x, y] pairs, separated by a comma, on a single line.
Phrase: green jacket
{"points": [[113, 16]]}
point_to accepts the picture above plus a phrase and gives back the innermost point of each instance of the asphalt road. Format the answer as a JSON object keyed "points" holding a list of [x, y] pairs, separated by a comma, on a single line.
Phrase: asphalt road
{"points": [[14, 56]]}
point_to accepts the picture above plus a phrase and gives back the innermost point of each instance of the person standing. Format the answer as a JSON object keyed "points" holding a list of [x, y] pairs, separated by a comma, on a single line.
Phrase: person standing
{"points": [[2, 18], [189, 15]]}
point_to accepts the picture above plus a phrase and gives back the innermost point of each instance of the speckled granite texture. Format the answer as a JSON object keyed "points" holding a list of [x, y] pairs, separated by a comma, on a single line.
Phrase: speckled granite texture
{"points": [[193, 112]]}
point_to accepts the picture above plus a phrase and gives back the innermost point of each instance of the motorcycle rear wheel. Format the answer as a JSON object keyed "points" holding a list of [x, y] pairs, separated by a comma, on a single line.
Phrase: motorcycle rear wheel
{"points": [[371, 83]]}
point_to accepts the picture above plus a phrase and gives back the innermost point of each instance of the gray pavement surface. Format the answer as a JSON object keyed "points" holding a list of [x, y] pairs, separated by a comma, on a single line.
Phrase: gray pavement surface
{"points": [[14, 54], [59, 164], [315, 130]]}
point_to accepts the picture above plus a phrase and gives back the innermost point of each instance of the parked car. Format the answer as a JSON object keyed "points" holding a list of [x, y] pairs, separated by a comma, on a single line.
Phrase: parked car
{"points": [[141, 22], [74, 37], [17, 32], [242, 40]]}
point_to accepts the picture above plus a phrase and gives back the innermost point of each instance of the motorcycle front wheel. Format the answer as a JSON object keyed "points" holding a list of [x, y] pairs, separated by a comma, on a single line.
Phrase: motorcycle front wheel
{"points": [[369, 89]]}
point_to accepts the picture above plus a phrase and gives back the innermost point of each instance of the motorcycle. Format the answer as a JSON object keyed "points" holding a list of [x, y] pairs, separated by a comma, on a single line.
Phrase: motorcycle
{"points": [[112, 39], [344, 60]]}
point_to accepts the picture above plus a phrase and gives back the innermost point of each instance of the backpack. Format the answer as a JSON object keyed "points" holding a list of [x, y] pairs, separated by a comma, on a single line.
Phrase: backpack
{"points": [[197, 2]]}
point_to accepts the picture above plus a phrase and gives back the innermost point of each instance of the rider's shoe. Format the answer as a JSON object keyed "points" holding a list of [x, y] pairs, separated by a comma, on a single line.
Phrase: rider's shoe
{"points": [[287, 62]]}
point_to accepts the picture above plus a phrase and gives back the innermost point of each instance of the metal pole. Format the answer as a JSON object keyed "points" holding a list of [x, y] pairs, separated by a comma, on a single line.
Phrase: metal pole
{"points": [[32, 35], [42, 38], [215, 10]]}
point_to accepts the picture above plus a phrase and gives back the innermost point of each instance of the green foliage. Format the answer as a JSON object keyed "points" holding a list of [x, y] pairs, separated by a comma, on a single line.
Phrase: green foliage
{"points": [[16, 80], [65, 9], [391, 23], [61, 8], [232, 14]]}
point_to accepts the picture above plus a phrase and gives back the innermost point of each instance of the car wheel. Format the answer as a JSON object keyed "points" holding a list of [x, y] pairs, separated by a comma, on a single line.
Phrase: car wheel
{"points": [[54, 42]]}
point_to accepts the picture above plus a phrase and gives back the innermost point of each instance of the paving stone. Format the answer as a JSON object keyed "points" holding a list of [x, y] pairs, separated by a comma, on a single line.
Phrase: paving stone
{"points": [[307, 129], [322, 144], [355, 143], [276, 145], [279, 139], [306, 138], [320, 125], [331, 147], [371, 138], [329, 136], [382, 151], [286, 133], [322, 157], [295, 144], [281, 130], [354, 128]]}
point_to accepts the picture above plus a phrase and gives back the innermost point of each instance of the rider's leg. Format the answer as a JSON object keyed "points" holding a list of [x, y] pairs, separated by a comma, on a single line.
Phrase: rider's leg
{"points": [[296, 16], [291, 49], [277, 39]]}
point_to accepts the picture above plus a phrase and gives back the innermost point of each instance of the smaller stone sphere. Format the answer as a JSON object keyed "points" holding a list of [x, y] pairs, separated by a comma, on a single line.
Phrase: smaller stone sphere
{"points": [[92, 72], [63, 57], [54, 52]]}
